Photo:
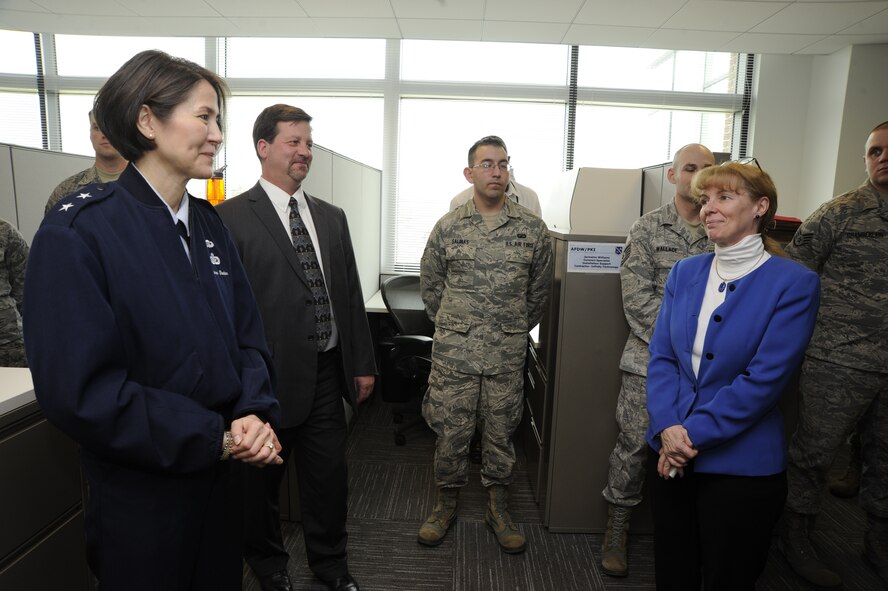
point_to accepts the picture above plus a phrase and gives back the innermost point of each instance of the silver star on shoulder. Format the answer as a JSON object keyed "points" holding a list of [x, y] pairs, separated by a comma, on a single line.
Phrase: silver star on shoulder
{"points": [[66, 206], [84, 196]]}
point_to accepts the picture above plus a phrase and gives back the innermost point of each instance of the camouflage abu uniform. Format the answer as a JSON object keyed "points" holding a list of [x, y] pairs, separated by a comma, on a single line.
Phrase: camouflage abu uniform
{"points": [[484, 289], [71, 184], [657, 241], [13, 261], [844, 380]]}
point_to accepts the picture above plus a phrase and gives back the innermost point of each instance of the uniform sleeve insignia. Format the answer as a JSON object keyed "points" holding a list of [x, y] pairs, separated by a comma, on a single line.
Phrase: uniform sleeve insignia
{"points": [[803, 238]]}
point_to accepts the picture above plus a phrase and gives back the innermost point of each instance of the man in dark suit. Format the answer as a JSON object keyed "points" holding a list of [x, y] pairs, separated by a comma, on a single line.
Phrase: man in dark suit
{"points": [[298, 255]]}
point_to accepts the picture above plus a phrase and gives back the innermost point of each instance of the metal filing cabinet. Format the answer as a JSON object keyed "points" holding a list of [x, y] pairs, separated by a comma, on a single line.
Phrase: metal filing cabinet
{"points": [[571, 386], [42, 544]]}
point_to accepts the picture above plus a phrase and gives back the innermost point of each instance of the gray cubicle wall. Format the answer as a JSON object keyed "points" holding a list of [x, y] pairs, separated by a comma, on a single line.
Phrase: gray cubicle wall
{"points": [[357, 189], [28, 176]]}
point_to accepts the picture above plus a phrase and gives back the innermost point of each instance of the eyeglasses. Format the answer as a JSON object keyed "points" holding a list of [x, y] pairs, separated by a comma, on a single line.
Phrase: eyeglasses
{"points": [[748, 160], [487, 165]]}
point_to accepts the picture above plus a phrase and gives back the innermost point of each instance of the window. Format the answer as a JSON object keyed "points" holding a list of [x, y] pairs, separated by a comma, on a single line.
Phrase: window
{"points": [[485, 62], [434, 142], [653, 69], [625, 137], [86, 55], [350, 126], [21, 119], [74, 111], [306, 58], [18, 55], [410, 108]]}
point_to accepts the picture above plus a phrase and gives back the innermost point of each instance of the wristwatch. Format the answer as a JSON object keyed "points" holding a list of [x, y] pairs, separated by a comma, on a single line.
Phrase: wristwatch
{"points": [[226, 446]]}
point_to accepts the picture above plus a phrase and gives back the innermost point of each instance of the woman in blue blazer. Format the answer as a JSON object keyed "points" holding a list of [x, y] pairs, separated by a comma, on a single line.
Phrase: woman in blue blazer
{"points": [[731, 331]]}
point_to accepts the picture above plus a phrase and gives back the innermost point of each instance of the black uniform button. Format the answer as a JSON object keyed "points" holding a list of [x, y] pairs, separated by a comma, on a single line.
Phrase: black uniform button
{"points": [[732, 287], [717, 318], [709, 356]]}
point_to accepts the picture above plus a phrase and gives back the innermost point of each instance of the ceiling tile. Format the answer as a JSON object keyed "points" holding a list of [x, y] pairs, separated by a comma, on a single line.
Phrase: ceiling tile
{"points": [[874, 25], [93, 7], [350, 8], [610, 36], [444, 29], [819, 17], [275, 27], [699, 15], [767, 43], [631, 13], [558, 11], [435, 9], [691, 40], [524, 32], [834, 43], [266, 8], [169, 9], [373, 28]]}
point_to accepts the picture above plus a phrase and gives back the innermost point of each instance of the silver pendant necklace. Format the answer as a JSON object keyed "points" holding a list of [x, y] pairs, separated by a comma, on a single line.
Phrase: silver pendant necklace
{"points": [[726, 280]]}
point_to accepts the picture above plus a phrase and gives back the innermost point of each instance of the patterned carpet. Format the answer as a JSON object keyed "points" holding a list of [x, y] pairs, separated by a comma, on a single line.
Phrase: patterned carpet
{"points": [[391, 493]]}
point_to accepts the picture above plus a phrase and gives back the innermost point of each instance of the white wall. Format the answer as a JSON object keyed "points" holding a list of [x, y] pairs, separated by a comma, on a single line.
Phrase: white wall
{"points": [[866, 105], [777, 128], [812, 117]]}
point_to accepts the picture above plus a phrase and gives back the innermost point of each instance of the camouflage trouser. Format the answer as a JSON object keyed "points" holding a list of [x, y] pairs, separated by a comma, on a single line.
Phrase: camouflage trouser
{"points": [[13, 354], [626, 475], [453, 404], [835, 399]]}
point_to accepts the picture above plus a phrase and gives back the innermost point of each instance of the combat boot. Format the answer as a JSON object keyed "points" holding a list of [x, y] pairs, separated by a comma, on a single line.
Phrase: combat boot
{"points": [[875, 545], [432, 532], [510, 539], [613, 550], [848, 484], [795, 543]]}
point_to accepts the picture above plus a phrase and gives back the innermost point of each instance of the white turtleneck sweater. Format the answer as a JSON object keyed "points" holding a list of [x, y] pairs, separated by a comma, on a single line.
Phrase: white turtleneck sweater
{"points": [[732, 262]]}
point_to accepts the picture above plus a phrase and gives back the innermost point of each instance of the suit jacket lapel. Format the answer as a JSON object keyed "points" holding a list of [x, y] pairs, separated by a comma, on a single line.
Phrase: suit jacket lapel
{"points": [[269, 218]]}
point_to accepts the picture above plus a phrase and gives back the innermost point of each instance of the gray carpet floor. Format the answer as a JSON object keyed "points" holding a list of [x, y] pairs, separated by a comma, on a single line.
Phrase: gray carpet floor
{"points": [[391, 493]]}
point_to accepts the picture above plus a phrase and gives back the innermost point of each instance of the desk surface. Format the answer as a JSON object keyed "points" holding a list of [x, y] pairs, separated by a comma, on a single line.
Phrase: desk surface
{"points": [[375, 305], [16, 388]]}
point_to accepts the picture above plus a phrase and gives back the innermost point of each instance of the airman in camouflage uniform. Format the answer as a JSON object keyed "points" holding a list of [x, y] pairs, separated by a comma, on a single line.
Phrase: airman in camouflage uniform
{"points": [[13, 261], [657, 241], [486, 274], [108, 166], [844, 379]]}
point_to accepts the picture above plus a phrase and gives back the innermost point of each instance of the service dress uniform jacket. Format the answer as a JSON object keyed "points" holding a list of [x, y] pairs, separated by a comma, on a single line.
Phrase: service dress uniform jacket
{"points": [[755, 340], [144, 358]]}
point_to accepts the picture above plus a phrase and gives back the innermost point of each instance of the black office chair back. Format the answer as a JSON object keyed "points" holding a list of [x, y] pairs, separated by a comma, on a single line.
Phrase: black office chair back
{"points": [[404, 303]]}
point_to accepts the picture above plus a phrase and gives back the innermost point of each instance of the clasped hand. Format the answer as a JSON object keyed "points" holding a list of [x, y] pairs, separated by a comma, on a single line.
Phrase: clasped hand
{"points": [[676, 450], [251, 437]]}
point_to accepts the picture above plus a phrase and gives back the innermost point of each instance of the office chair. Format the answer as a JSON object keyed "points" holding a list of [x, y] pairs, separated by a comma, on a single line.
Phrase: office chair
{"points": [[407, 357]]}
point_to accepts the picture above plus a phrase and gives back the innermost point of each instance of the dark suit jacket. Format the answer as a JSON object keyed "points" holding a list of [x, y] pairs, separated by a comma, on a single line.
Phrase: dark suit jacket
{"points": [[285, 299]]}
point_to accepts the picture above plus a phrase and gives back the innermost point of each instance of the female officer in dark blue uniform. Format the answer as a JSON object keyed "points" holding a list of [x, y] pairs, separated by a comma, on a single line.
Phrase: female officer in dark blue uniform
{"points": [[145, 343]]}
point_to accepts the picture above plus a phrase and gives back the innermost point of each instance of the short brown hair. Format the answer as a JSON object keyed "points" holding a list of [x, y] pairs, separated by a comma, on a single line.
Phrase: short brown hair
{"points": [[265, 127], [757, 183], [489, 140], [151, 78]]}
